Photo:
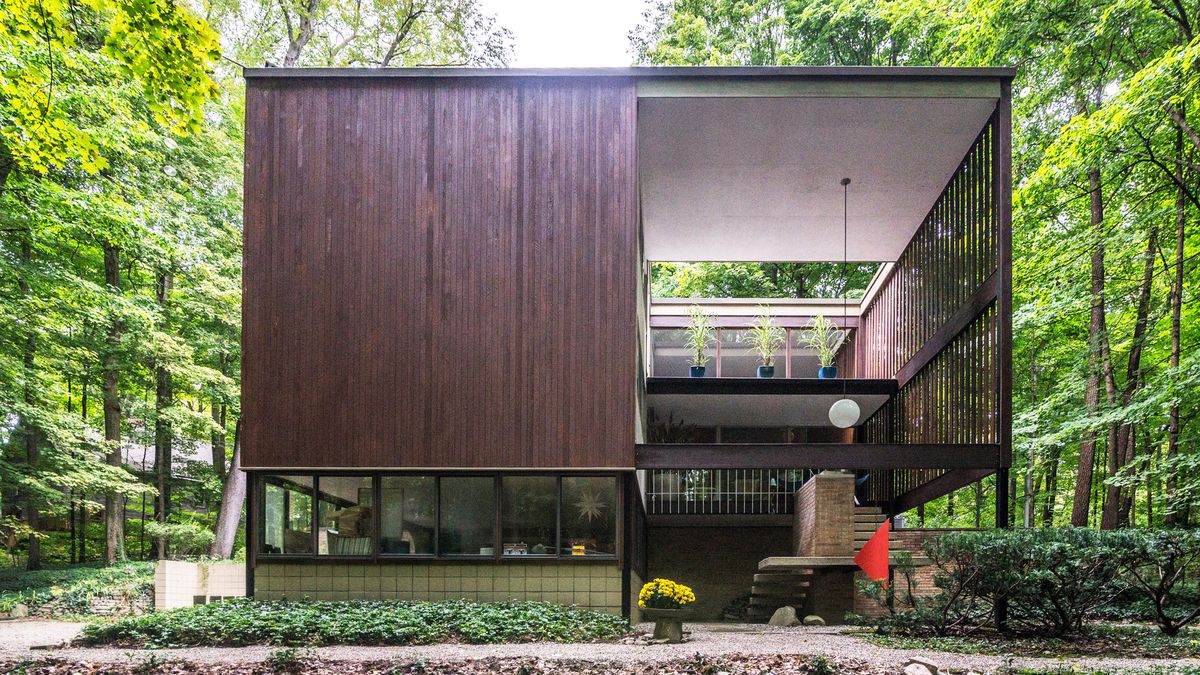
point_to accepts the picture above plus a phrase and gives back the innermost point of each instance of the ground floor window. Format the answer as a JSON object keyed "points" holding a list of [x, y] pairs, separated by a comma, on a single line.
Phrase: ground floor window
{"points": [[589, 524], [453, 515]]}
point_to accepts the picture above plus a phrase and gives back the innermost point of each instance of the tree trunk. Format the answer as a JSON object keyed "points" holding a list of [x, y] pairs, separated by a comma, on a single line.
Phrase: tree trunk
{"points": [[1051, 497], [232, 498], [1096, 331], [1170, 504], [1031, 464], [1121, 452], [163, 396], [218, 436], [29, 431], [114, 502]]}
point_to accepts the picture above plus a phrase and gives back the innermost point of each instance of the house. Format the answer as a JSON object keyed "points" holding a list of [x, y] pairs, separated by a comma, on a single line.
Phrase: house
{"points": [[456, 380]]}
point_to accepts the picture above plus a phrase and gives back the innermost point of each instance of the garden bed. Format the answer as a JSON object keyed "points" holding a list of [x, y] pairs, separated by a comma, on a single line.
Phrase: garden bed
{"points": [[1103, 640], [361, 622], [126, 588]]}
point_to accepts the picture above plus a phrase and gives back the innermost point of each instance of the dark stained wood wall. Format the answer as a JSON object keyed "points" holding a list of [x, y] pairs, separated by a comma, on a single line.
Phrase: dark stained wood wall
{"points": [[440, 273]]}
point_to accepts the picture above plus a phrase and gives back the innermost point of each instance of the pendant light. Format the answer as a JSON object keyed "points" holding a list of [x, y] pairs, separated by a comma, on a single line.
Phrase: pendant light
{"points": [[844, 412]]}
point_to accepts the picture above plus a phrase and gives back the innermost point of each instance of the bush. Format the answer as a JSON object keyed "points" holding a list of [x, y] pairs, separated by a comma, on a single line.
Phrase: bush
{"points": [[1155, 562], [1051, 580], [359, 622], [183, 539]]}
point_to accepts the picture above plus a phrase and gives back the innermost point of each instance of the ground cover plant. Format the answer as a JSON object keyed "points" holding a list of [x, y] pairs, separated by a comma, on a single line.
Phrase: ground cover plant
{"points": [[360, 622], [70, 590], [1093, 640]]}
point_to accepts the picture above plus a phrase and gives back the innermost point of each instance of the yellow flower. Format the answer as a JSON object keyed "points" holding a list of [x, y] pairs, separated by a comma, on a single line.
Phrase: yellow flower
{"points": [[665, 594]]}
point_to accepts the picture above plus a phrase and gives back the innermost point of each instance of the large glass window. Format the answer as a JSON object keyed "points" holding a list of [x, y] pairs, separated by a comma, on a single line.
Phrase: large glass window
{"points": [[467, 513], [529, 515], [344, 516], [287, 515], [407, 508], [453, 515], [671, 357], [589, 515], [737, 355]]}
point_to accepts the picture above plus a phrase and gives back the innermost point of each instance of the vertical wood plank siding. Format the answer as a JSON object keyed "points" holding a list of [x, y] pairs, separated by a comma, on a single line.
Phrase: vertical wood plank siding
{"points": [[944, 294], [440, 273]]}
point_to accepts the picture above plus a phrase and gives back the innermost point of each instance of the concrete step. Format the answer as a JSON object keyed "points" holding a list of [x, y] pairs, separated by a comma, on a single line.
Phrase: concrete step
{"points": [[867, 509], [775, 602], [768, 577]]}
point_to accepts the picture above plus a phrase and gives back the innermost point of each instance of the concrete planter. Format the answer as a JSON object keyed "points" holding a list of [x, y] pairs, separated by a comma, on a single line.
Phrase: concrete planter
{"points": [[668, 623]]}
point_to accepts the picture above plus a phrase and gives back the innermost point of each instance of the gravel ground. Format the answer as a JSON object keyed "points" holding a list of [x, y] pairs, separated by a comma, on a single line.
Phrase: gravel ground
{"points": [[21, 639]]}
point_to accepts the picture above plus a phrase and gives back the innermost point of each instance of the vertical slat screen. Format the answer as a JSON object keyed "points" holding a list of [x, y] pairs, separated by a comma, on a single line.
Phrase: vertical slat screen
{"points": [[951, 255], [954, 397]]}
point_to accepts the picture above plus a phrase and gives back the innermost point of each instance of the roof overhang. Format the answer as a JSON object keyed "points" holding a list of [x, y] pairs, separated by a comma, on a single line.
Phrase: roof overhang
{"points": [[751, 170]]}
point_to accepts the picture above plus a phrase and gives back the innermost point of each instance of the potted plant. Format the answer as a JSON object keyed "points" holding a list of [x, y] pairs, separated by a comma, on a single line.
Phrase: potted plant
{"points": [[699, 335], [824, 336], [765, 338], [665, 602]]}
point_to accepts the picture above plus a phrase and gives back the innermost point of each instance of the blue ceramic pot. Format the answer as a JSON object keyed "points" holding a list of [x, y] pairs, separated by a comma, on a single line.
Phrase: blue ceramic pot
{"points": [[697, 371], [765, 372], [827, 372]]}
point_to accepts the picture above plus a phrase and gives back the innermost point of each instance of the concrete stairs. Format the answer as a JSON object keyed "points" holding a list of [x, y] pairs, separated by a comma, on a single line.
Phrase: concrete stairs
{"points": [[772, 590], [867, 519]]}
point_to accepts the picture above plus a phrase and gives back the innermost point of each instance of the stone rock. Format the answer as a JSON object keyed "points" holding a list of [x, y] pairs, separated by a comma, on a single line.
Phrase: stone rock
{"points": [[19, 611], [919, 666], [813, 620], [784, 616]]}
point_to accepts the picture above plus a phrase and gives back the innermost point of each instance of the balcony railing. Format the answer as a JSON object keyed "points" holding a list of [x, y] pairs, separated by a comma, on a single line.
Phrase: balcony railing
{"points": [[723, 491]]}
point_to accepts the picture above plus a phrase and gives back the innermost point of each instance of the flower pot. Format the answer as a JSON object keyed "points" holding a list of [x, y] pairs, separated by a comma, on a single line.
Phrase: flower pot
{"points": [[668, 623], [696, 371], [827, 372], [766, 372]]}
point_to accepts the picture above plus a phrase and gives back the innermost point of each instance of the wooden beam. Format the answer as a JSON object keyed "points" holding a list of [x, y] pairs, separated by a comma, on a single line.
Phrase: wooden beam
{"points": [[816, 456], [1002, 174], [942, 485], [983, 297], [768, 386]]}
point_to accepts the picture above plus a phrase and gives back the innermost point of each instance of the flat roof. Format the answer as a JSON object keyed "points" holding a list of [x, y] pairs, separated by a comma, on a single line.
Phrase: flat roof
{"points": [[739, 72]]}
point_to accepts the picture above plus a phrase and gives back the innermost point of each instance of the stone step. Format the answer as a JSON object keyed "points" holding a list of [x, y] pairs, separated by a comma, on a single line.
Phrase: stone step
{"points": [[758, 589], [769, 577], [775, 602], [867, 509]]}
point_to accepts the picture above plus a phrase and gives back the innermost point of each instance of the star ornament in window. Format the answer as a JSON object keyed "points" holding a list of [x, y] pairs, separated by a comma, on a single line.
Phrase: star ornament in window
{"points": [[590, 506]]}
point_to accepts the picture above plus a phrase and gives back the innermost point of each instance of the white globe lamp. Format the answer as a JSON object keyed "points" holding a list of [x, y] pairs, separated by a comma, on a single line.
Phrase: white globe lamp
{"points": [[844, 413]]}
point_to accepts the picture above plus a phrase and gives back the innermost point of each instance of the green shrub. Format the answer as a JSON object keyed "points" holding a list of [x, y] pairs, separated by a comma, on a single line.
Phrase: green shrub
{"points": [[1155, 562], [361, 622], [183, 539], [1050, 578]]}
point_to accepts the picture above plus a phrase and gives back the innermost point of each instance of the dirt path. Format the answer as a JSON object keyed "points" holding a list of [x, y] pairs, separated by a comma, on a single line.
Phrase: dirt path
{"points": [[19, 639]]}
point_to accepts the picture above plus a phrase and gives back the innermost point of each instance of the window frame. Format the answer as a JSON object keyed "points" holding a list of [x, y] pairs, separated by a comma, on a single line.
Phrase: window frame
{"points": [[259, 479]]}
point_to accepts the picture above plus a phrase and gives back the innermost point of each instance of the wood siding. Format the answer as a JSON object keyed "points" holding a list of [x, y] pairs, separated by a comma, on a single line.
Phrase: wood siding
{"points": [[440, 273]]}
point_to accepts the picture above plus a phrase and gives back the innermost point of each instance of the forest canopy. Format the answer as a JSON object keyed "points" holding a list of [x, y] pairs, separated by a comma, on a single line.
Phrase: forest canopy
{"points": [[121, 128]]}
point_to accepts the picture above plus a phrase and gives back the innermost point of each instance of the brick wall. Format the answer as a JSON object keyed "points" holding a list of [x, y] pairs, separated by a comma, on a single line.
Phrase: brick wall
{"points": [[824, 520], [593, 586], [911, 540]]}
